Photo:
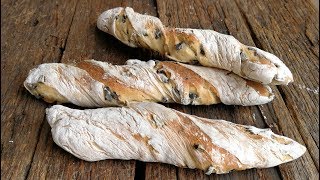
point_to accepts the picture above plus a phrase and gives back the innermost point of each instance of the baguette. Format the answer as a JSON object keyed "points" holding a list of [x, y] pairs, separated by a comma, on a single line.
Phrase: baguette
{"points": [[153, 133], [207, 47], [98, 84]]}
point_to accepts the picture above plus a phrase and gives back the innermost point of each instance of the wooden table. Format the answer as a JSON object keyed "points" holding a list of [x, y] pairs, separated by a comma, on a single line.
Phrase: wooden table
{"points": [[40, 31]]}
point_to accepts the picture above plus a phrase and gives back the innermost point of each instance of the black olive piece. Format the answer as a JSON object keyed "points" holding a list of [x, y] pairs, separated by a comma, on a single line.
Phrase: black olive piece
{"points": [[202, 50], [248, 130], [117, 16], [157, 34], [179, 46], [243, 57], [145, 34], [33, 86], [160, 71], [165, 99], [193, 96], [124, 18], [43, 78], [109, 95], [196, 146], [39, 96], [176, 91], [194, 62]]}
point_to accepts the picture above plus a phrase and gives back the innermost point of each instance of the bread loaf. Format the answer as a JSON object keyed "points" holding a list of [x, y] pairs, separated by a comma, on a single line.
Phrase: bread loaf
{"points": [[153, 133], [98, 84], [206, 47]]}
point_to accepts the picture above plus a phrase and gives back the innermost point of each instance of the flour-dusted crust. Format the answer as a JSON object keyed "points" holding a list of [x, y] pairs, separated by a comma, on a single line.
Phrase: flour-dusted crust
{"points": [[153, 133], [207, 47], [98, 84]]}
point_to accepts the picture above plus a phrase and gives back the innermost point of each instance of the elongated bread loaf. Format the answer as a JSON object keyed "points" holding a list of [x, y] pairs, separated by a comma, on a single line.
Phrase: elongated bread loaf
{"points": [[98, 84], [153, 133], [207, 47]]}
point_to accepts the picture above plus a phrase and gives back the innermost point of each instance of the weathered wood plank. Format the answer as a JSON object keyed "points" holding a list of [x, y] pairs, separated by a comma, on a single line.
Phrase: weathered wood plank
{"points": [[280, 121], [37, 32], [157, 171], [85, 41], [33, 32], [290, 29], [226, 17], [210, 15]]}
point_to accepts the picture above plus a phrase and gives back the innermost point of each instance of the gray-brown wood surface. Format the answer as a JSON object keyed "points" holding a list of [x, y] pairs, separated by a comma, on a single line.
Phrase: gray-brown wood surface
{"points": [[35, 32]]}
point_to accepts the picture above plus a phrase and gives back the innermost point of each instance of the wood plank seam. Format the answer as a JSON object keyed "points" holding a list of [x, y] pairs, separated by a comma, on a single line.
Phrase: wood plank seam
{"points": [[140, 170], [34, 151], [259, 45], [300, 131], [66, 40], [253, 35], [44, 120]]}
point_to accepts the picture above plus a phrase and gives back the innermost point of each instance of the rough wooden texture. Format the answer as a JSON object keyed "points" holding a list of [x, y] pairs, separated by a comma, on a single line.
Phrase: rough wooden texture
{"points": [[39, 31]]}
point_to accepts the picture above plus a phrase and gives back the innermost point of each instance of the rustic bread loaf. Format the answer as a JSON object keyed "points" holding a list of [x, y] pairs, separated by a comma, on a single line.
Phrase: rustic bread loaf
{"points": [[153, 133], [207, 47], [98, 84]]}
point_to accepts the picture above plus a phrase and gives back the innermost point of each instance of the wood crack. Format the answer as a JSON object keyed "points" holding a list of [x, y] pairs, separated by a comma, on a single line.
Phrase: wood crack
{"points": [[63, 48], [156, 10], [255, 39], [140, 171], [34, 151], [294, 116]]}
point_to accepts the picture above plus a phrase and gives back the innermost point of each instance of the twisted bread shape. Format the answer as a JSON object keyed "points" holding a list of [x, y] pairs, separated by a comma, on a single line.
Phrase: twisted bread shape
{"points": [[193, 46], [153, 133], [98, 84]]}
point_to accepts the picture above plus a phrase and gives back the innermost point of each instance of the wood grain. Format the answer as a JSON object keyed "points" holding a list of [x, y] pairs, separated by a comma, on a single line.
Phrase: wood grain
{"points": [[33, 33], [85, 42], [65, 31]]}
